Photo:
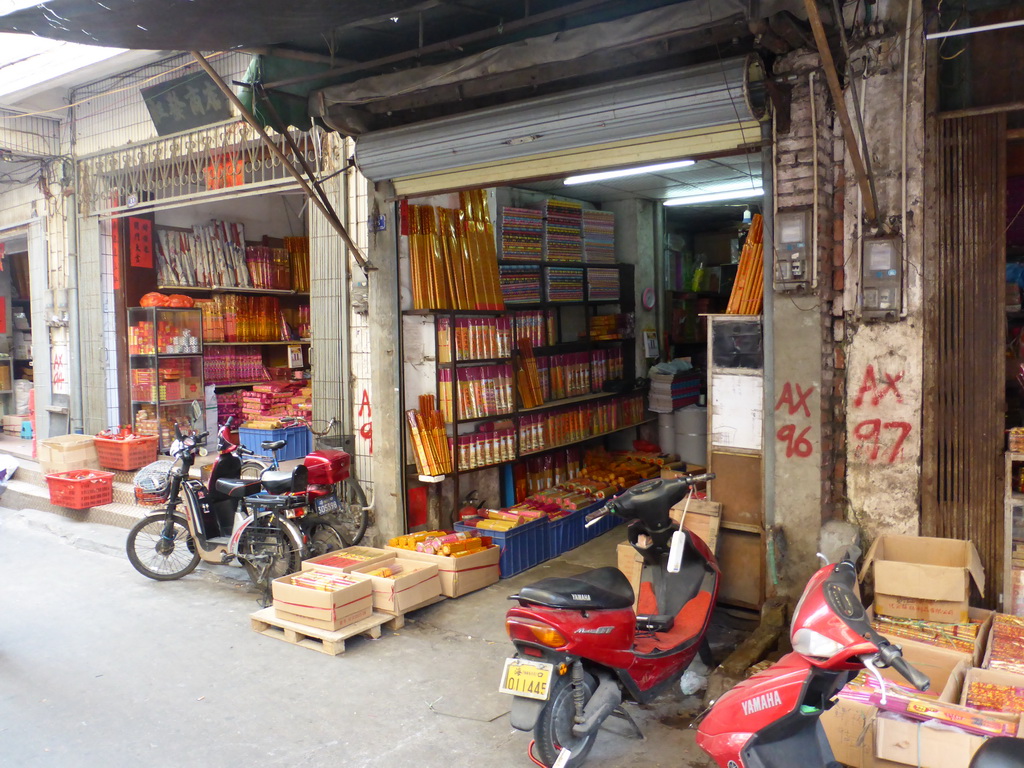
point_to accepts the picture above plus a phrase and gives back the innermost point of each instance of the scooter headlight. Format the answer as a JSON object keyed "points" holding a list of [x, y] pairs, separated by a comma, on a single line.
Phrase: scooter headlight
{"points": [[532, 631], [811, 643]]}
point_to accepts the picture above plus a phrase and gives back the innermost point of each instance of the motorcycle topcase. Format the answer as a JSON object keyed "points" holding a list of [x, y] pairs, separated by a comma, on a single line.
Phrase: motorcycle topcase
{"points": [[327, 467]]}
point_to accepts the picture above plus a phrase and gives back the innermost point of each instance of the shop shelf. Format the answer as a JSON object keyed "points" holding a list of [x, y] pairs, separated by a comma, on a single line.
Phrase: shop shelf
{"points": [[254, 343], [522, 547]]}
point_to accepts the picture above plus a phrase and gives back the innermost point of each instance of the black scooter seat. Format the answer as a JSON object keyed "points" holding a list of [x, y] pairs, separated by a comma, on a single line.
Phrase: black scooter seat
{"points": [[601, 588], [999, 752], [273, 445], [277, 482], [236, 488]]}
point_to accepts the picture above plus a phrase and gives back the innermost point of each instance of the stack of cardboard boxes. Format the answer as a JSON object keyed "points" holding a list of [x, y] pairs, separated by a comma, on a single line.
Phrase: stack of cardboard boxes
{"points": [[922, 589]]}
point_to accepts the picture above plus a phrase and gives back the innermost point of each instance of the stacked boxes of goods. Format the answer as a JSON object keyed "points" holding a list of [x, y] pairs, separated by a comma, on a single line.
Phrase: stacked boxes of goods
{"points": [[229, 405], [610, 327], [564, 284], [602, 284], [563, 231], [465, 562], [232, 365], [599, 237], [267, 401], [146, 424], [520, 283], [974, 659], [522, 234]]}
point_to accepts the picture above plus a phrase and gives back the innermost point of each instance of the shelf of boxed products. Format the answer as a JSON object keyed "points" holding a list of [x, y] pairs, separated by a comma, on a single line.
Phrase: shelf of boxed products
{"points": [[255, 343], [231, 289]]}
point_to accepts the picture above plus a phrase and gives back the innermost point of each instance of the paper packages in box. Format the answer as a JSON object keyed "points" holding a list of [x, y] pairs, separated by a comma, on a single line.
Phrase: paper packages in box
{"points": [[410, 587], [322, 606], [460, 575]]}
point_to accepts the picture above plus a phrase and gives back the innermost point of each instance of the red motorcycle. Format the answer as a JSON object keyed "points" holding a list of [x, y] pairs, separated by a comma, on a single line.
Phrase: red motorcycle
{"points": [[772, 719], [581, 650]]}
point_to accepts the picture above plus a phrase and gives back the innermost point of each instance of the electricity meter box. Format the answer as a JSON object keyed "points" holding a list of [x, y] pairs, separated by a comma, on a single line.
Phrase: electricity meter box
{"points": [[794, 263], [882, 278]]}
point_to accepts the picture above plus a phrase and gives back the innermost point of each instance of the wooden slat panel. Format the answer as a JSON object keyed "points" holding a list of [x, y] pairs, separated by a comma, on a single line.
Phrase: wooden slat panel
{"points": [[968, 322]]}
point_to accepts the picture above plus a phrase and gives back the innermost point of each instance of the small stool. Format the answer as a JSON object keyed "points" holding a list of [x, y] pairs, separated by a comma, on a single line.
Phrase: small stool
{"points": [[26, 430]]}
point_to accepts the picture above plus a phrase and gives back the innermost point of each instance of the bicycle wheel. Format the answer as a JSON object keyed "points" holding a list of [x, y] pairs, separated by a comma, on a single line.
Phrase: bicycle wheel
{"points": [[160, 547], [266, 553], [352, 519], [252, 469]]}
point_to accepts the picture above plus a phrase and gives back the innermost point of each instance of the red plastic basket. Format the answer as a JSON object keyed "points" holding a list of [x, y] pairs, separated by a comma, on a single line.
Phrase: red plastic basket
{"points": [[81, 488], [134, 453]]}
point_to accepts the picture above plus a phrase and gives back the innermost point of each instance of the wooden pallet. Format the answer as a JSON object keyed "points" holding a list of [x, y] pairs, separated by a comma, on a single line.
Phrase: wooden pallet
{"points": [[326, 641], [395, 621]]}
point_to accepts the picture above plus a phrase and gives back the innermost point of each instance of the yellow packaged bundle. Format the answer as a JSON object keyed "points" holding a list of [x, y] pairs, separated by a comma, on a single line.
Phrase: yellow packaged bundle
{"points": [[465, 545], [469, 552], [496, 525], [409, 541], [510, 517]]}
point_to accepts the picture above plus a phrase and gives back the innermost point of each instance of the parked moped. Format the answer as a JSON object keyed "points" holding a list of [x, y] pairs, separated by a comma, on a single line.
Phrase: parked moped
{"points": [[225, 519], [581, 650]]}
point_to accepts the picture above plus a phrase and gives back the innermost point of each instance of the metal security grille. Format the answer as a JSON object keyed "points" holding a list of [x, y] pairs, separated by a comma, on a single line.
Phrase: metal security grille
{"points": [[962, 488], [223, 160]]}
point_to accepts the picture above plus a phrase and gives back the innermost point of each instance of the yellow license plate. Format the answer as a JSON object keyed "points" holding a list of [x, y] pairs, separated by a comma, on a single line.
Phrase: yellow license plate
{"points": [[531, 679]]}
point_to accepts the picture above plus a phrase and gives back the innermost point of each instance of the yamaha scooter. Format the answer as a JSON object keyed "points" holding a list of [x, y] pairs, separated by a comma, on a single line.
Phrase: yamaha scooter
{"points": [[581, 650]]}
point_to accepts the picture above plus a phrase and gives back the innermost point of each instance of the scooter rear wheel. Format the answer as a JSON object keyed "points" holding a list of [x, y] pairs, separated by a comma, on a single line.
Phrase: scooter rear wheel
{"points": [[162, 548], [266, 554], [553, 731], [324, 538]]}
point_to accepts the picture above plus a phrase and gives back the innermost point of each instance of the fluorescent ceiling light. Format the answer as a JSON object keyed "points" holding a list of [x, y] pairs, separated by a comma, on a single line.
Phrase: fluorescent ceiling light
{"points": [[733, 191], [590, 178]]}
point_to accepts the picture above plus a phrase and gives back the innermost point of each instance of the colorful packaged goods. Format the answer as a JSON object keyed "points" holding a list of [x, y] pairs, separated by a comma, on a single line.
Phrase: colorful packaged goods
{"points": [[522, 234], [539, 327], [326, 581], [489, 445], [598, 237], [563, 230], [602, 284], [211, 255], [482, 391], [171, 338], [993, 697], [474, 338], [1006, 643], [298, 251], [520, 283], [231, 365], [349, 557], [268, 267], [957, 637], [564, 283]]}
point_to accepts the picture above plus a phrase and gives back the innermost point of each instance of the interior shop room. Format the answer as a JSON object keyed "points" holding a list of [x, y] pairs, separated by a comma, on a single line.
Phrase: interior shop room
{"points": [[16, 371], [532, 315], [217, 299]]}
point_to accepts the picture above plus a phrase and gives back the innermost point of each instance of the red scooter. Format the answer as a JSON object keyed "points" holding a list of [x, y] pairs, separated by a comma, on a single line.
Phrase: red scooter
{"points": [[580, 648], [772, 719]]}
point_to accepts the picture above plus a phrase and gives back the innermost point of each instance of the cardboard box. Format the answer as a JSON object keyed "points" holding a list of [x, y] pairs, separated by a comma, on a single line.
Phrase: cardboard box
{"points": [[348, 559], [917, 577], [460, 575], [60, 454], [993, 676], [632, 565], [330, 610], [418, 583], [702, 518], [980, 642]]}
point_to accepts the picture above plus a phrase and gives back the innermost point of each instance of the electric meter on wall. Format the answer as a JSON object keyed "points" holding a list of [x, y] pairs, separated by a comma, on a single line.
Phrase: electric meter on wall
{"points": [[881, 278], [793, 263]]}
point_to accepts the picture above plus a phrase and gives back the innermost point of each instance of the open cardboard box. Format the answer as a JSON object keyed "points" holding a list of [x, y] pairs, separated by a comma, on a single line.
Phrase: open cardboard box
{"points": [[347, 559], [929, 745], [459, 575], [323, 609], [993, 676], [918, 577], [850, 726], [984, 617], [418, 583]]}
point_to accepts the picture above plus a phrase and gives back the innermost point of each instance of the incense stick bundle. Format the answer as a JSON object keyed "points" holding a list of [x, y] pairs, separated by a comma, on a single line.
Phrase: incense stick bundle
{"points": [[748, 290], [528, 376]]}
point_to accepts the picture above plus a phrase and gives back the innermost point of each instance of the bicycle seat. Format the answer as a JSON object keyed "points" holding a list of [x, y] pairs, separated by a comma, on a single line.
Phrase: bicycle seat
{"points": [[273, 445], [236, 488], [600, 588], [999, 752]]}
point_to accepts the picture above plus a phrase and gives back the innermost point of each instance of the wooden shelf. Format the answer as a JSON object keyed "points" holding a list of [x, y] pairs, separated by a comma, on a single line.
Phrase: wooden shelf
{"points": [[585, 439], [231, 289], [574, 400], [254, 343]]}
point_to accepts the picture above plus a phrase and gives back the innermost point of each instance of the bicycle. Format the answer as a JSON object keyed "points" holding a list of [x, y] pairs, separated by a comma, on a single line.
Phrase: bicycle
{"points": [[351, 517]]}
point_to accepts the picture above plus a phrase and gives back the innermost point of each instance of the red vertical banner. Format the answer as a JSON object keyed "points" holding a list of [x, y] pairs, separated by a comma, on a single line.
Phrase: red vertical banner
{"points": [[140, 243], [115, 248], [3, 315]]}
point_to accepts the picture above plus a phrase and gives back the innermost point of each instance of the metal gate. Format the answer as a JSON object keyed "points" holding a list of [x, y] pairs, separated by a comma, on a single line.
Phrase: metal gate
{"points": [[962, 486]]}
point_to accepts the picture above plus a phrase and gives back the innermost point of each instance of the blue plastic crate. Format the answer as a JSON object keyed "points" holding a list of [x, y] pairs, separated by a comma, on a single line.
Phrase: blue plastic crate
{"points": [[522, 547], [298, 439], [565, 533]]}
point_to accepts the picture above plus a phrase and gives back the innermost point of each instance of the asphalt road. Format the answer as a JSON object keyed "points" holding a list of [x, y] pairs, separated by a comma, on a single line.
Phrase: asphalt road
{"points": [[101, 667]]}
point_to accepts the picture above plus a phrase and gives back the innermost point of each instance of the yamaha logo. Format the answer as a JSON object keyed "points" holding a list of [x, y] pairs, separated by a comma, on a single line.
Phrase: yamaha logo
{"points": [[762, 702], [585, 598], [597, 631]]}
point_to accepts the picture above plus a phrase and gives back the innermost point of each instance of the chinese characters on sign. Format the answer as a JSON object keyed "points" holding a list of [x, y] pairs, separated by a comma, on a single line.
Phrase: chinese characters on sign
{"points": [[185, 103], [140, 243]]}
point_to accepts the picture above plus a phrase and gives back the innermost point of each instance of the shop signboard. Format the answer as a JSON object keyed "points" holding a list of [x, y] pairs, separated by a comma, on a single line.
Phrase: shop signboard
{"points": [[185, 103]]}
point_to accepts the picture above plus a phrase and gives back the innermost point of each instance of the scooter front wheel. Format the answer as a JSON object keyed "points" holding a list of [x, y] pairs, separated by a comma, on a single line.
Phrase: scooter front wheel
{"points": [[160, 547], [553, 731]]}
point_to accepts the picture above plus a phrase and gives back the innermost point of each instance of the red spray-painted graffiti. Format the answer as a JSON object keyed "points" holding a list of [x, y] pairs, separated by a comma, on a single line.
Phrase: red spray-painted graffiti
{"points": [[795, 399], [366, 430], [877, 439]]}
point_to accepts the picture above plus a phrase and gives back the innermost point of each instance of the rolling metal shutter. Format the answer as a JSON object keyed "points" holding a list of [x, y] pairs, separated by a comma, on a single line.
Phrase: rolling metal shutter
{"points": [[700, 110]]}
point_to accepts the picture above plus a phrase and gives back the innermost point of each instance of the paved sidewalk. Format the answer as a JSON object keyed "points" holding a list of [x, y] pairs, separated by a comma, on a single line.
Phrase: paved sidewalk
{"points": [[102, 667]]}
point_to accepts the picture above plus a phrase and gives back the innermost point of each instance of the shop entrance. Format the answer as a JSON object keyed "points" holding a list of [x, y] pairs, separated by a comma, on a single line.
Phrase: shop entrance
{"points": [[522, 356], [17, 373]]}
